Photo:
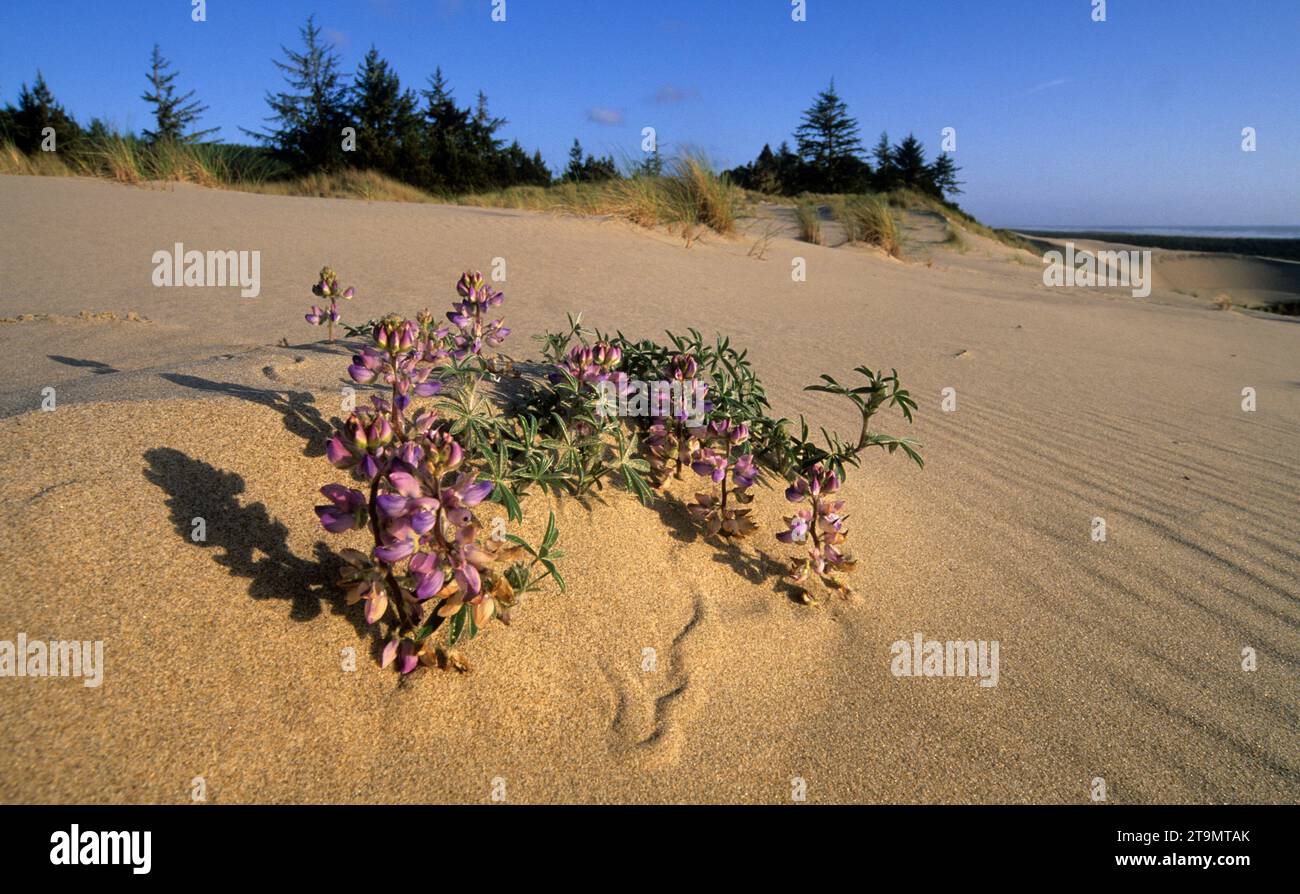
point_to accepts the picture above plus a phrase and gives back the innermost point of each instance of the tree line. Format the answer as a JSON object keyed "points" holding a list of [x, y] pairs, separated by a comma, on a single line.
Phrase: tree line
{"points": [[322, 121], [829, 158]]}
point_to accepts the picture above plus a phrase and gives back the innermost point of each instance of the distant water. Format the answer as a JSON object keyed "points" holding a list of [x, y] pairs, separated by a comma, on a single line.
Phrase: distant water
{"points": [[1259, 232]]}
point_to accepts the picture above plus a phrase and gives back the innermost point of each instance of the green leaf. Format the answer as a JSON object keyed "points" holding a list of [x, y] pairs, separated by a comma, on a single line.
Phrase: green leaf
{"points": [[519, 541], [550, 566], [457, 625], [552, 533], [503, 495]]}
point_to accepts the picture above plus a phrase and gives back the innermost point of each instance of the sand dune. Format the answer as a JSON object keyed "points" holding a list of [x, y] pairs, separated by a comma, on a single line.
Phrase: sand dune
{"points": [[1119, 659]]}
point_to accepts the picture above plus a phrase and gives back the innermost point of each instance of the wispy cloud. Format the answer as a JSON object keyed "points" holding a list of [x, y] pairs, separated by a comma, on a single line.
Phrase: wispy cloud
{"points": [[338, 38], [1046, 85], [671, 93], [608, 117]]}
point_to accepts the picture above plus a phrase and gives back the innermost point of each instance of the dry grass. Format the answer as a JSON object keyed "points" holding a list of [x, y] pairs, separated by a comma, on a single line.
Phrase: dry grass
{"points": [[809, 218], [346, 184], [867, 218], [690, 195], [917, 201], [127, 160], [41, 164]]}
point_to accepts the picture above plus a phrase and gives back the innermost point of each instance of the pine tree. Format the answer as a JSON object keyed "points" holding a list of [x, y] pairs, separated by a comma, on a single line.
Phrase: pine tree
{"points": [[574, 170], [445, 137], [311, 118], [886, 176], [386, 118], [909, 163], [483, 128], [828, 141], [38, 109], [943, 177], [652, 166], [173, 115]]}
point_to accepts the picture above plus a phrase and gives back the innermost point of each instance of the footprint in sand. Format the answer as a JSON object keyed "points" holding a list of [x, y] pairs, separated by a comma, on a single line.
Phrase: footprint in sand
{"points": [[652, 707]]}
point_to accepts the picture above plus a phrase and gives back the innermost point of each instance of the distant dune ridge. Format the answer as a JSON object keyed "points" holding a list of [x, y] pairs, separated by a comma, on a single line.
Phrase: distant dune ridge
{"points": [[1119, 658]]}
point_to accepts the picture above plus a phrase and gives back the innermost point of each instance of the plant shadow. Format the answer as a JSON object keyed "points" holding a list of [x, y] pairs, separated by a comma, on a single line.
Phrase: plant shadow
{"points": [[96, 367], [298, 408], [247, 540], [745, 558]]}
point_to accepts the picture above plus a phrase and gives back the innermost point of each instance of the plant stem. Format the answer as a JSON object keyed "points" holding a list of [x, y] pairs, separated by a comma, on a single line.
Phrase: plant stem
{"points": [[390, 582]]}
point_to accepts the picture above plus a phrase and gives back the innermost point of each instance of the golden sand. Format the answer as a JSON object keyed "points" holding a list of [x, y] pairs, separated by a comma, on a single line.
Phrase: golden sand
{"points": [[224, 659]]}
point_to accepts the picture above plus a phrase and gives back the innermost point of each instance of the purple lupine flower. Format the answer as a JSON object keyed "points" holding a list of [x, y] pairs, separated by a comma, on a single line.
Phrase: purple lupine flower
{"points": [[797, 526], [347, 509], [710, 464], [744, 472]]}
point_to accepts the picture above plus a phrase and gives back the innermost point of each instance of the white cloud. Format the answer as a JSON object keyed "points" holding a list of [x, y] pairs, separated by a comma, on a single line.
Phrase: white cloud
{"points": [[608, 117]]}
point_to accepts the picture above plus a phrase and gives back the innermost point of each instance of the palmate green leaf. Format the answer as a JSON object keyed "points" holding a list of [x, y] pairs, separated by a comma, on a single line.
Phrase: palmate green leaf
{"points": [[638, 486]]}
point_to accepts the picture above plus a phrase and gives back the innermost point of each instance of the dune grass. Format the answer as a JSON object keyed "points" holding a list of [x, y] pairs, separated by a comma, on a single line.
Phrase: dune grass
{"points": [[349, 183], [912, 200], [689, 194], [39, 164], [867, 218], [129, 160], [809, 217]]}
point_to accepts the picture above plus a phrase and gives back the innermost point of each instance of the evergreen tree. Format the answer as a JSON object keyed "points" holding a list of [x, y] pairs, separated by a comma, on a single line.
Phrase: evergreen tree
{"points": [[829, 143], [38, 109], [385, 116], [7, 131], [588, 168], [652, 166], [483, 128], [445, 137], [574, 171], [311, 117], [886, 175], [909, 163], [943, 177], [173, 115]]}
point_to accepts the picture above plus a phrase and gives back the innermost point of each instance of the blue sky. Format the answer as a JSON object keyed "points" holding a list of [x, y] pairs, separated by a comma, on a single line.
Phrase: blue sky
{"points": [[1059, 119]]}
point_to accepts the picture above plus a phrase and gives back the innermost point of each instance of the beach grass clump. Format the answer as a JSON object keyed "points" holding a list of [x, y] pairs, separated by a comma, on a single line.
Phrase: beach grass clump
{"points": [[48, 164], [690, 194], [809, 218], [422, 474], [867, 218]]}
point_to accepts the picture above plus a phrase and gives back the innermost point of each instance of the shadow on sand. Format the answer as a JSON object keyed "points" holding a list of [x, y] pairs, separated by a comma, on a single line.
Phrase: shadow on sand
{"points": [[301, 416], [247, 540], [744, 557]]}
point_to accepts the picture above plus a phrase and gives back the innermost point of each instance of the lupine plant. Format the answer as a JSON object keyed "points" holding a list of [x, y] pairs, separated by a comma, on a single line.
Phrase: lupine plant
{"points": [[429, 561], [328, 287], [720, 457], [492, 433], [820, 521]]}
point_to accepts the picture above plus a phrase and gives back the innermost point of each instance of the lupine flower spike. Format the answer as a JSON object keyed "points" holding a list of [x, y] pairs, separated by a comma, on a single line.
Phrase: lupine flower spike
{"points": [[328, 287]]}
